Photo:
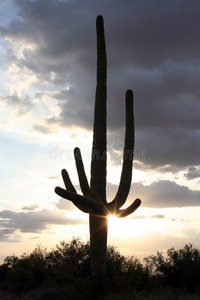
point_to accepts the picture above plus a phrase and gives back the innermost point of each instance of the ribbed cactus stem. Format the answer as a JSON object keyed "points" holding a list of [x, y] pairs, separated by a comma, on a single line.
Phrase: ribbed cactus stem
{"points": [[98, 220], [98, 163]]}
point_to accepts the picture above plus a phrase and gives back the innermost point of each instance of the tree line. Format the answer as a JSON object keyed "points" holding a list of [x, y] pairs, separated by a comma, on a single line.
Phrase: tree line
{"points": [[65, 273]]}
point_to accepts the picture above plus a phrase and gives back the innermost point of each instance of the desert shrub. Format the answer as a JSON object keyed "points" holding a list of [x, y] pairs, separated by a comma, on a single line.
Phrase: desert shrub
{"points": [[180, 267], [4, 271], [67, 267], [68, 261], [25, 273]]}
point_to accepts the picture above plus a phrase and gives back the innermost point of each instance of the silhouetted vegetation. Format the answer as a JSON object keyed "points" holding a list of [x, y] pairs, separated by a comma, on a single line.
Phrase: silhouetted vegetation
{"points": [[64, 273], [179, 269]]}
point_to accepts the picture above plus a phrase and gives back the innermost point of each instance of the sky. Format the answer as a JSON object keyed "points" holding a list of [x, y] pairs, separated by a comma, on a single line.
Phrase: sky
{"points": [[47, 91]]}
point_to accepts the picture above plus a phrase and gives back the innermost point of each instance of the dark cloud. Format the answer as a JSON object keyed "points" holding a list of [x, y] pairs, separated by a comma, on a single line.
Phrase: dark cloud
{"points": [[34, 221], [172, 147], [167, 150], [192, 173], [164, 193], [160, 194], [152, 47]]}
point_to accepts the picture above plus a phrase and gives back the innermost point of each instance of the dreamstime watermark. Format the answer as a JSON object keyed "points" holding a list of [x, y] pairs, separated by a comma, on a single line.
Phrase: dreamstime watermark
{"points": [[113, 153]]}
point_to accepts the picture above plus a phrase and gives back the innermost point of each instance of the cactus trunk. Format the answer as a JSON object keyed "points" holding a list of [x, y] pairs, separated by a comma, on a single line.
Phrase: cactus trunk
{"points": [[98, 221], [98, 163], [98, 244]]}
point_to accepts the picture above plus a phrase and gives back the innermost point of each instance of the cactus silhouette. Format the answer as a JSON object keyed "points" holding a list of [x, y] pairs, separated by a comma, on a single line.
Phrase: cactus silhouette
{"points": [[93, 201]]}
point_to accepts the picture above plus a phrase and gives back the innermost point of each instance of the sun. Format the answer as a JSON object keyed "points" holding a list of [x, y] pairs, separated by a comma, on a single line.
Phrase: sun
{"points": [[119, 226], [131, 227]]}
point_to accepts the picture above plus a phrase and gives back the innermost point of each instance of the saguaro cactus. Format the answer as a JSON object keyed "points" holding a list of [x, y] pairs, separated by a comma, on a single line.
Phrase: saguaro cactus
{"points": [[93, 200]]}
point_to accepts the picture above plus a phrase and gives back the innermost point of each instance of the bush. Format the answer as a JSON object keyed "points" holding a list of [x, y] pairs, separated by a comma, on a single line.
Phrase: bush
{"points": [[25, 273], [181, 267], [64, 273], [72, 257]]}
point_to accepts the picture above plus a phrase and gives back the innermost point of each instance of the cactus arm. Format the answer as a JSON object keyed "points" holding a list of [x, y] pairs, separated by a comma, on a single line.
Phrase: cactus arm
{"points": [[126, 174], [129, 210], [98, 163], [81, 172], [78, 199], [67, 181], [69, 186]]}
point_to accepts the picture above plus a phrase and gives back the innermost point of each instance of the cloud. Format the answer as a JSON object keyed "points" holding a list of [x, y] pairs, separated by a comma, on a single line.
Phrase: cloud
{"points": [[176, 148], [164, 150], [64, 204], [157, 216], [192, 173], [160, 194], [164, 193], [20, 106], [42, 129], [151, 48], [30, 207], [36, 222], [8, 235]]}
